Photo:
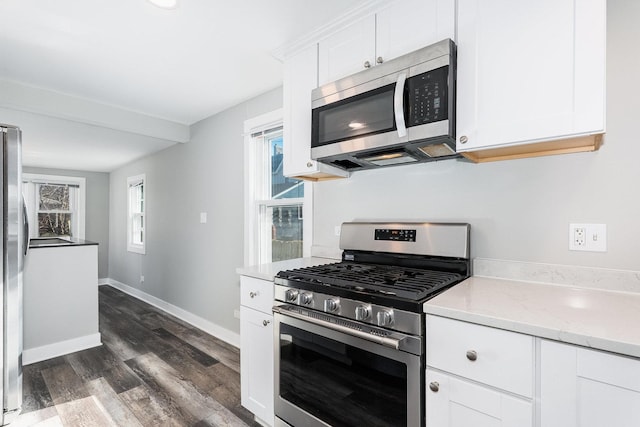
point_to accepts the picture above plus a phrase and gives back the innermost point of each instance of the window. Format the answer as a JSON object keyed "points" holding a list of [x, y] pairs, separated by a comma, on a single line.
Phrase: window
{"points": [[55, 205], [275, 204], [136, 222]]}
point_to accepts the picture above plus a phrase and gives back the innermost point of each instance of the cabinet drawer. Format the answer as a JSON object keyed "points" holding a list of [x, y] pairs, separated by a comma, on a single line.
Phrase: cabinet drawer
{"points": [[256, 294], [491, 356]]}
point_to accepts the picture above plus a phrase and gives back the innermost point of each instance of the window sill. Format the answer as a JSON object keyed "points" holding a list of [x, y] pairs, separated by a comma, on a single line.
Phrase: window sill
{"points": [[136, 249]]}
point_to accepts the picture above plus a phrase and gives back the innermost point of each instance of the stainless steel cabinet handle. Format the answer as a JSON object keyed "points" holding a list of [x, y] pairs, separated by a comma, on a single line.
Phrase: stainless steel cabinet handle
{"points": [[379, 60], [472, 355], [253, 294], [434, 387], [463, 139], [265, 322], [367, 64]]}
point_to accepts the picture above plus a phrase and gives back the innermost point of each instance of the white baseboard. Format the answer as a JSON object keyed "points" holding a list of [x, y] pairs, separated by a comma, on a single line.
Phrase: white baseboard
{"points": [[49, 351], [209, 327]]}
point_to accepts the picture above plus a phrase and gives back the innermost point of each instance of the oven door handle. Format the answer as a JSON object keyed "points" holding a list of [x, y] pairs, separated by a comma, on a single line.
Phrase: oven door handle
{"points": [[394, 340]]}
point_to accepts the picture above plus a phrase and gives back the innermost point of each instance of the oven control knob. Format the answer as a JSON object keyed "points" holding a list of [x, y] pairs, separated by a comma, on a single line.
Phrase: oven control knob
{"points": [[331, 305], [385, 318], [291, 295], [362, 312], [306, 298]]}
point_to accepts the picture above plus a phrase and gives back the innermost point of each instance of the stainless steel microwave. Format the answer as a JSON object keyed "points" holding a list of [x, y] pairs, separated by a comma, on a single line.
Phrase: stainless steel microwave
{"points": [[398, 112]]}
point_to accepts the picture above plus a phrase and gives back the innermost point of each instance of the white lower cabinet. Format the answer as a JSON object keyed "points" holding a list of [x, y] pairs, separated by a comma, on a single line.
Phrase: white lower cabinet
{"points": [[580, 387], [478, 376], [454, 402], [256, 348]]}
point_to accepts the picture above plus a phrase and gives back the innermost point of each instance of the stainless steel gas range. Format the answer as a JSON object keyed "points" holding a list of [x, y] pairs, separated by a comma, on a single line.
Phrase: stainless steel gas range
{"points": [[350, 335]]}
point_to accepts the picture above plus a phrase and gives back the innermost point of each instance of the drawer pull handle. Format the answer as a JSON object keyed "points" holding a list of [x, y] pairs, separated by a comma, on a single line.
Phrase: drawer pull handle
{"points": [[472, 355], [265, 322], [253, 294], [434, 387]]}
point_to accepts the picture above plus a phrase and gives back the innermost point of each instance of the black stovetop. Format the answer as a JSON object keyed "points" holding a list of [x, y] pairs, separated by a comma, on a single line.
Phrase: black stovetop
{"points": [[406, 283]]}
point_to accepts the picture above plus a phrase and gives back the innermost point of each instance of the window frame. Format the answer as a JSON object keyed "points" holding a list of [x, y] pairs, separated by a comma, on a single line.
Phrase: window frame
{"points": [[256, 199], [132, 182], [30, 183]]}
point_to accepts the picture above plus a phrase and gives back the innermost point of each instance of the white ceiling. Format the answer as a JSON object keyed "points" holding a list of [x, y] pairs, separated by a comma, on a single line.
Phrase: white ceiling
{"points": [[180, 65]]}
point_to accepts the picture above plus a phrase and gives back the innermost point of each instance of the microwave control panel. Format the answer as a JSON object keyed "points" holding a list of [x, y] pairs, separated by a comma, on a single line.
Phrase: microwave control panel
{"points": [[428, 97]]}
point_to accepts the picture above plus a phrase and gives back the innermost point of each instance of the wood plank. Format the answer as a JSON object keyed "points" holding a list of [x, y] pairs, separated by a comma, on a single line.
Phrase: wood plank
{"points": [[35, 393], [112, 404], [150, 408], [185, 348], [166, 380], [85, 412], [64, 384]]}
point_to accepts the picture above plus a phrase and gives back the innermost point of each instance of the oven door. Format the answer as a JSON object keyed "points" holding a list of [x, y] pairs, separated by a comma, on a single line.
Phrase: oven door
{"points": [[328, 377]]}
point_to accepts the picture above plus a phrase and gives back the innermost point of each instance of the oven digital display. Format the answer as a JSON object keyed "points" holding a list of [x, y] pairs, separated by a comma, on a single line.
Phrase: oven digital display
{"points": [[395, 235]]}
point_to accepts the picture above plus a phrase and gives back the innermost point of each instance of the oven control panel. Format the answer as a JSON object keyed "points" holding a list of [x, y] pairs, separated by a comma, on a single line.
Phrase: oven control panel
{"points": [[386, 317], [395, 234]]}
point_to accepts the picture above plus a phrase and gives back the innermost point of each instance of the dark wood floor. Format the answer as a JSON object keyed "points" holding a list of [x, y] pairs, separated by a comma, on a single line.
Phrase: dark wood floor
{"points": [[152, 370]]}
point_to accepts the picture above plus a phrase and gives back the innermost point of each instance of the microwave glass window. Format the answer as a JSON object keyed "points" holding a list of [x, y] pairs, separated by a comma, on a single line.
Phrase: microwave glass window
{"points": [[361, 115], [428, 97]]}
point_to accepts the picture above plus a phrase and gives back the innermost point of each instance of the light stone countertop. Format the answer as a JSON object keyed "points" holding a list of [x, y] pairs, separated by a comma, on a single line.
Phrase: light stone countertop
{"points": [[600, 319], [268, 271]]}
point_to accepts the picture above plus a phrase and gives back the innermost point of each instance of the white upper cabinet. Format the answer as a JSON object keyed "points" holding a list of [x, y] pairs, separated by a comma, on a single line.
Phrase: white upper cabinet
{"points": [[409, 25], [399, 28], [300, 78], [530, 72], [347, 51]]}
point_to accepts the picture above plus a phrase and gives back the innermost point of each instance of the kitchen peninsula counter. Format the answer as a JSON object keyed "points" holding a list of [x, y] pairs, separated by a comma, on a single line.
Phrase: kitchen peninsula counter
{"points": [[594, 318], [60, 299]]}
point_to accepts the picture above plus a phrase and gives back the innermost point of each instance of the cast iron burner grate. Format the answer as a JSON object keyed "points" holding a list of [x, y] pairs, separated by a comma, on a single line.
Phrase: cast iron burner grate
{"points": [[409, 283]]}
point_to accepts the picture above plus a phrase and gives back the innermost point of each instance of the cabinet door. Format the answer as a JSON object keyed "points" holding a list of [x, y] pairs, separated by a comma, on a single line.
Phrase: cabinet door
{"points": [[256, 363], [300, 78], [408, 25], [346, 51], [452, 402], [529, 71], [587, 388]]}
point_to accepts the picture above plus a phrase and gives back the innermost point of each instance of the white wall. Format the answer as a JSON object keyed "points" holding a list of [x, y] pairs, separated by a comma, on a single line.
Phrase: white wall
{"points": [[520, 209], [188, 264], [96, 211]]}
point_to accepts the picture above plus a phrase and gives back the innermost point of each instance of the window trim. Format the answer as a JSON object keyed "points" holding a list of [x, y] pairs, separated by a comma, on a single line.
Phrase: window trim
{"points": [[252, 202], [131, 246], [37, 178]]}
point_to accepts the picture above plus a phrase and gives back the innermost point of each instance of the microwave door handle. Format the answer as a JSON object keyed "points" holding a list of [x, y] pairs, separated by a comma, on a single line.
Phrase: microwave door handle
{"points": [[398, 105]]}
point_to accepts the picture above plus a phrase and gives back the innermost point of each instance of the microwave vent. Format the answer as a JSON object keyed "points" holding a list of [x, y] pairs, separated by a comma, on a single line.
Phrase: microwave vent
{"points": [[346, 164], [437, 150]]}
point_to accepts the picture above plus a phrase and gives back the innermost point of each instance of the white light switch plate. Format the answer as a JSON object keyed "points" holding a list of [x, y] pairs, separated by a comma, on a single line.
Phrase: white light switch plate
{"points": [[588, 237], [203, 217]]}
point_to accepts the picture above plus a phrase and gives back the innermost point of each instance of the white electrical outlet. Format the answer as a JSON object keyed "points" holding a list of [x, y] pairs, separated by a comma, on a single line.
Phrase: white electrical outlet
{"points": [[588, 237], [337, 229], [141, 279], [236, 314]]}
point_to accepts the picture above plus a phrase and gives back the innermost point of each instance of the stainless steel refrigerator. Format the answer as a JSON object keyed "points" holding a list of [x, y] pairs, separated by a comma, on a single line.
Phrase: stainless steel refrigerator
{"points": [[15, 232]]}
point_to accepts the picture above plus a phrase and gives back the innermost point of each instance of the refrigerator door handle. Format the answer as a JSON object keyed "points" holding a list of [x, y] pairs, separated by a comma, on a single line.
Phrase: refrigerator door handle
{"points": [[25, 227]]}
